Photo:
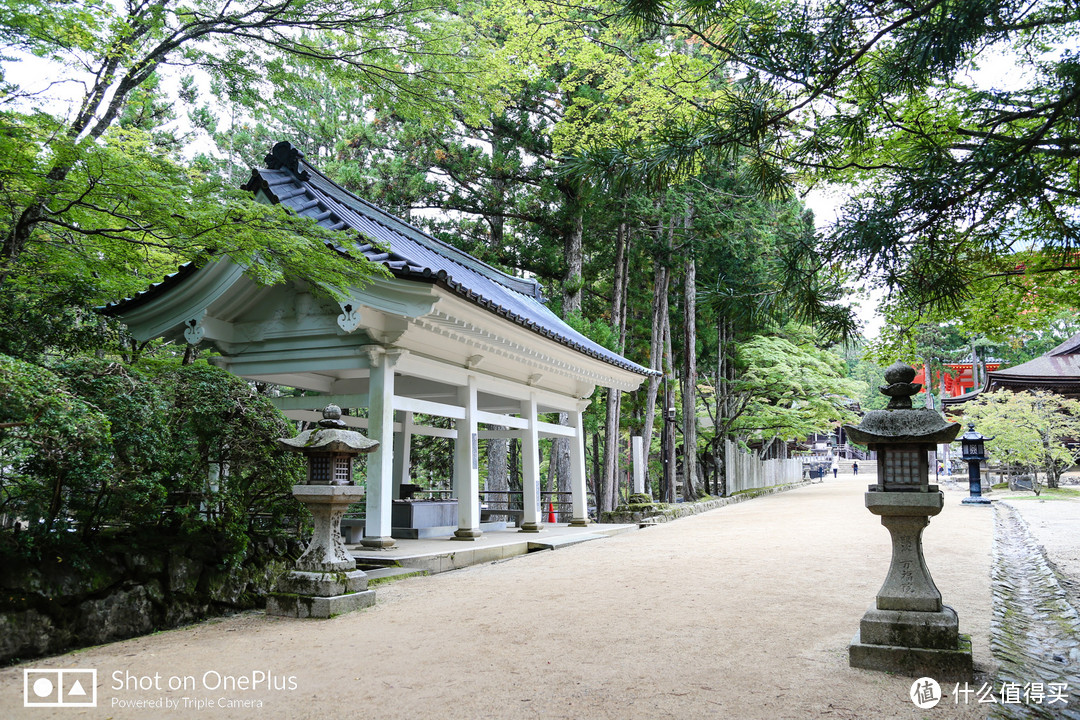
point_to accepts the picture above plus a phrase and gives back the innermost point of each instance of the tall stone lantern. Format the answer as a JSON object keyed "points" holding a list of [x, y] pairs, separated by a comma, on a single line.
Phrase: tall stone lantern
{"points": [[908, 630], [325, 582]]}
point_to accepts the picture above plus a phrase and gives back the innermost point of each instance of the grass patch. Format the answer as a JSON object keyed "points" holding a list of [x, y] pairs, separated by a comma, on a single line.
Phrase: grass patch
{"points": [[1049, 494], [754, 492]]}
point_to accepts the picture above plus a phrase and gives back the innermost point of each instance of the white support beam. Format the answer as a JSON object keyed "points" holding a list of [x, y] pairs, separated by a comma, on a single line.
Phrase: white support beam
{"points": [[306, 381], [402, 452], [490, 418], [428, 431], [501, 434], [547, 429], [427, 407], [316, 416], [577, 471], [467, 467], [362, 423], [530, 469], [318, 402], [380, 463], [424, 367]]}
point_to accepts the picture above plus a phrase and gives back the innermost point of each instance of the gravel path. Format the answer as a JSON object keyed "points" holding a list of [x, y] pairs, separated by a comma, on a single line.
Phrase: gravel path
{"points": [[744, 612]]}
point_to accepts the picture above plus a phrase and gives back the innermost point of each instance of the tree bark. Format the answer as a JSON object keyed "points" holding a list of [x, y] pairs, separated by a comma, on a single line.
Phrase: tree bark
{"points": [[573, 255], [725, 375], [667, 485], [689, 379], [661, 279], [607, 490], [498, 451]]}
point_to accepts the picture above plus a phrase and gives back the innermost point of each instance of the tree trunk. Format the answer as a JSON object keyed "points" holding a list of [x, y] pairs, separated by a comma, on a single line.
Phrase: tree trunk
{"points": [[594, 474], [725, 374], [689, 379], [668, 483], [573, 256], [514, 479], [498, 451], [607, 495], [661, 278]]}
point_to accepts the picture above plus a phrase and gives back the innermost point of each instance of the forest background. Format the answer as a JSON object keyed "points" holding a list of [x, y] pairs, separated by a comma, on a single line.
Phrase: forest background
{"points": [[643, 160]]}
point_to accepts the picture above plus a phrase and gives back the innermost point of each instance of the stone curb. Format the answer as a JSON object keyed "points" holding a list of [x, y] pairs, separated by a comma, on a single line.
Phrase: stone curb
{"points": [[681, 510]]}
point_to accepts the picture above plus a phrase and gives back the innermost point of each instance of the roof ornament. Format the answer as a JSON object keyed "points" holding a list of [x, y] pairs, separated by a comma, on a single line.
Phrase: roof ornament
{"points": [[194, 332], [349, 319], [900, 388], [284, 155]]}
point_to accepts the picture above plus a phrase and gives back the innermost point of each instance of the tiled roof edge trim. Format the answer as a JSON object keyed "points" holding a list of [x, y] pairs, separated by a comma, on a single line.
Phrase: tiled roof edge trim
{"points": [[328, 186], [144, 296]]}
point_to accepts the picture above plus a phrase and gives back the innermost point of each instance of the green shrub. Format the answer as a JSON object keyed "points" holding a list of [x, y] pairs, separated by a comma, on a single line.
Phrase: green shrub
{"points": [[90, 447]]}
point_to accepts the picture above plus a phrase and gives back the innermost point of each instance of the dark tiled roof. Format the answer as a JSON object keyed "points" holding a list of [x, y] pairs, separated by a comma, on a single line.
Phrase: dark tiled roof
{"points": [[406, 251], [1069, 347], [1050, 369], [1057, 370]]}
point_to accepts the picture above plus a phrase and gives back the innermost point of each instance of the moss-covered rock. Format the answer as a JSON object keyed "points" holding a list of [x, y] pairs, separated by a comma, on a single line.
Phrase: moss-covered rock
{"points": [[138, 586]]}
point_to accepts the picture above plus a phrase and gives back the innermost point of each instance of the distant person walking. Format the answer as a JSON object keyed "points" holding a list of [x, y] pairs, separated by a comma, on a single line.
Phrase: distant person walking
{"points": [[835, 468], [855, 466]]}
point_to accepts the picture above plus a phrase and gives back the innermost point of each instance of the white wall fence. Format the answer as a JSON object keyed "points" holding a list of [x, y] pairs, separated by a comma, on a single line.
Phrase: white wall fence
{"points": [[745, 471]]}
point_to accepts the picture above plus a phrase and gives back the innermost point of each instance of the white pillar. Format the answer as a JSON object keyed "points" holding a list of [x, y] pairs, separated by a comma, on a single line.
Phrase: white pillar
{"points": [[402, 452], [467, 466], [380, 463], [577, 469], [530, 469], [637, 461]]}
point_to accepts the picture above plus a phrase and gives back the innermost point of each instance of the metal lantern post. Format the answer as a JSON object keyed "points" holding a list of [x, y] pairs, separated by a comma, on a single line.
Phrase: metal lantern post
{"points": [[973, 451]]}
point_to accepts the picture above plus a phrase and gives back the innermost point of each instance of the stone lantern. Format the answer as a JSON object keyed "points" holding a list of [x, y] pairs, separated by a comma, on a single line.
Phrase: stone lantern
{"points": [[325, 582], [973, 451], [908, 630]]}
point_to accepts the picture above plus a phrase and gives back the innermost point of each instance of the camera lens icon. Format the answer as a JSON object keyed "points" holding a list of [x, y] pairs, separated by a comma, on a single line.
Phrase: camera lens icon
{"points": [[43, 687]]}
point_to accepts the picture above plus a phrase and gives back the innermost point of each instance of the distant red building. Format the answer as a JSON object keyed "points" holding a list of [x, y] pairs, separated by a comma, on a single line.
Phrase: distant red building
{"points": [[957, 378]]}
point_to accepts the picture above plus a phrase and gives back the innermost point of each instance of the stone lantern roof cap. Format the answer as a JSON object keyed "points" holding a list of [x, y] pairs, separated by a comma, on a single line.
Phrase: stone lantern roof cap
{"points": [[899, 423], [895, 427], [332, 436]]}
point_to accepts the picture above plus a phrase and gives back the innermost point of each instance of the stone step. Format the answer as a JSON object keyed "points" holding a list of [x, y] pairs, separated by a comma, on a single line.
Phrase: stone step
{"points": [[383, 575], [559, 541]]}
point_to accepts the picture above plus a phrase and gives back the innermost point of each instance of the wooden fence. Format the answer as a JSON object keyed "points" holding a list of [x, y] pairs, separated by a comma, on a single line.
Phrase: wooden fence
{"points": [[745, 471]]}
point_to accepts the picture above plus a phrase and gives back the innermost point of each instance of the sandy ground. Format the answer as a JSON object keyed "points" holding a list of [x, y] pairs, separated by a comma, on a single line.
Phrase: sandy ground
{"points": [[1055, 525], [743, 612]]}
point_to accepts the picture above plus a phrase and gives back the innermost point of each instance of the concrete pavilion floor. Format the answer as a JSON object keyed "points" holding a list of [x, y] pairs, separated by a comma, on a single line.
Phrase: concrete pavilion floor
{"points": [[499, 542]]}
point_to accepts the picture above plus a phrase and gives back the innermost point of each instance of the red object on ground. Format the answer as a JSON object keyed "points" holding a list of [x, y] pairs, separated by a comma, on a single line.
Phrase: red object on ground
{"points": [[551, 513]]}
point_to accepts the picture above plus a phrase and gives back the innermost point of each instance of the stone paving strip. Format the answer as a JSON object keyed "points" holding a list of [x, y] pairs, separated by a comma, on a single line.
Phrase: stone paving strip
{"points": [[1035, 630]]}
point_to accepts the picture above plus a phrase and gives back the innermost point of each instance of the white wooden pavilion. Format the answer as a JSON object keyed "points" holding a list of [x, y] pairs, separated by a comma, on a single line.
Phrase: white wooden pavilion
{"points": [[445, 336]]}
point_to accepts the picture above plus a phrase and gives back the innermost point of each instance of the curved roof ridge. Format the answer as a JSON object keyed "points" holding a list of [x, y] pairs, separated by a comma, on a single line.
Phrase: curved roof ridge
{"points": [[392, 222], [411, 253], [1069, 347]]}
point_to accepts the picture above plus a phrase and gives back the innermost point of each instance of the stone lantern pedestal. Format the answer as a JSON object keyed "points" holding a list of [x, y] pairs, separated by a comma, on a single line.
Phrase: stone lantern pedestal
{"points": [[326, 581], [908, 630]]}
